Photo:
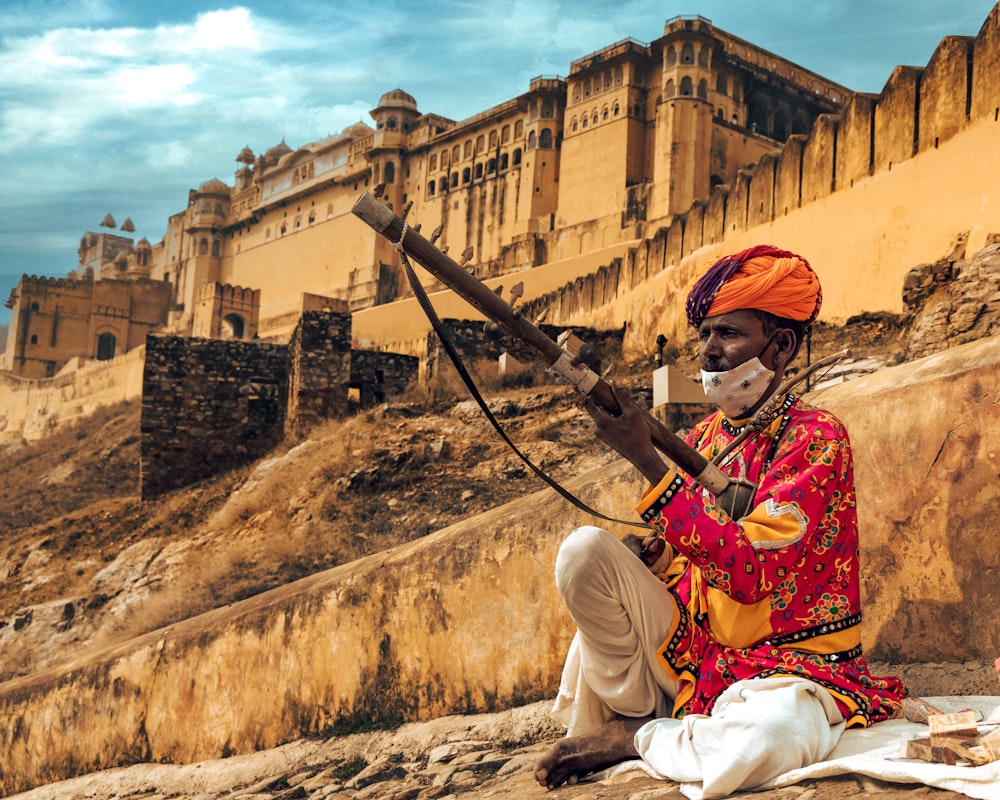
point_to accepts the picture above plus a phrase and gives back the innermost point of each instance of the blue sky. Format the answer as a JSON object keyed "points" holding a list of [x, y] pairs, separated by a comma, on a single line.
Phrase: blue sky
{"points": [[121, 106]]}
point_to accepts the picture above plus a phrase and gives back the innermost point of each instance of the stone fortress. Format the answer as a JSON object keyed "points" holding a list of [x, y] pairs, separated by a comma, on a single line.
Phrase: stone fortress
{"points": [[641, 165], [580, 166]]}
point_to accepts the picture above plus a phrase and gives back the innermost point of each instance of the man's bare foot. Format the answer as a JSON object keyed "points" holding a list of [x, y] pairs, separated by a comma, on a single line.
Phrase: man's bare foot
{"points": [[575, 757]]}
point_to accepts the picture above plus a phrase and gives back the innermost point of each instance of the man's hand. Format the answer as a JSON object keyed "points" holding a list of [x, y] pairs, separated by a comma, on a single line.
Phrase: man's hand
{"points": [[651, 550], [627, 433]]}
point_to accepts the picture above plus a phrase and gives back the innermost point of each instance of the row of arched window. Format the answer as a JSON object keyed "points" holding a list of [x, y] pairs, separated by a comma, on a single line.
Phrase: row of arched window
{"points": [[598, 83], [203, 247], [593, 118], [489, 169], [296, 223], [471, 147]]}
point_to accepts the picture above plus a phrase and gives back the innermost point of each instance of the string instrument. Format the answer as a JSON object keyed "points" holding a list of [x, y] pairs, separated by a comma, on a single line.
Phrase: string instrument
{"points": [[736, 496]]}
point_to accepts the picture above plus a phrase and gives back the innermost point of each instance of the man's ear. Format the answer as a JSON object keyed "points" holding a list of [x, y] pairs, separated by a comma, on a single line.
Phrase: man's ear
{"points": [[786, 345]]}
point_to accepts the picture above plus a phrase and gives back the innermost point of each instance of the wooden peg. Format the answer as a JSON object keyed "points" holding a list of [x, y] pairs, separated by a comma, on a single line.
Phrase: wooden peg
{"points": [[466, 256], [406, 209], [436, 234]]}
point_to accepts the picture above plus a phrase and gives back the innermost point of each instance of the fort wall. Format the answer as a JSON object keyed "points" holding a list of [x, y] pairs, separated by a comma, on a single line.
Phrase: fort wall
{"points": [[33, 407], [207, 406]]}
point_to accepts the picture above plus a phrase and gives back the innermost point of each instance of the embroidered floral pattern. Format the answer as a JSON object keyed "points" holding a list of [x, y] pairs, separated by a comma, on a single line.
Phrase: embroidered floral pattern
{"points": [[808, 578]]}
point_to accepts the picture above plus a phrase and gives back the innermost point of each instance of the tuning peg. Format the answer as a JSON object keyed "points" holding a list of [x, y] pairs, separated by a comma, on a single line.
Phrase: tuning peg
{"points": [[541, 317], [406, 209], [437, 233], [378, 190], [416, 228], [466, 256], [498, 291], [444, 249]]}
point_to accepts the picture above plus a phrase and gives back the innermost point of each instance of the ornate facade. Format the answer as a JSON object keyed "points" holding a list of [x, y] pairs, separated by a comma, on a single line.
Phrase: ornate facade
{"points": [[630, 138]]}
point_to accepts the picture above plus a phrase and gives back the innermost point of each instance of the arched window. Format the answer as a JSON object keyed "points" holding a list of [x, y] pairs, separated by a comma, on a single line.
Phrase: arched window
{"points": [[607, 79], [430, 189], [702, 56], [593, 119], [390, 172], [34, 306], [433, 163], [504, 161], [444, 184], [670, 58], [106, 347], [722, 84], [218, 209], [617, 110], [619, 74], [298, 222], [671, 88], [34, 338], [532, 140], [444, 159], [466, 175], [518, 129], [312, 217], [479, 171], [548, 109], [216, 248], [203, 247], [505, 134], [517, 156], [456, 153], [545, 139], [468, 149], [284, 228], [391, 123], [575, 125], [687, 87], [491, 166], [454, 180], [494, 139], [703, 89], [233, 326], [480, 143], [605, 114], [687, 53]]}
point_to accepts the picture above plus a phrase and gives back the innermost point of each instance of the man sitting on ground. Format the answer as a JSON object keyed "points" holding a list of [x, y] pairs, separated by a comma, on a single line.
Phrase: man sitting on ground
{"points": [[729, 650]]}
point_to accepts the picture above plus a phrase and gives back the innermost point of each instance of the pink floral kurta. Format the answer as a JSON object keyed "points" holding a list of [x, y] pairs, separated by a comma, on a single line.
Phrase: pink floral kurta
{"points": [[776, 592]]}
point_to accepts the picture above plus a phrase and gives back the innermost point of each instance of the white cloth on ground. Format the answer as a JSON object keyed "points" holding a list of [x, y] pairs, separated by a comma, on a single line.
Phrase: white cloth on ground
{"points": [[876, 752], [623, 615], [758, 729]]}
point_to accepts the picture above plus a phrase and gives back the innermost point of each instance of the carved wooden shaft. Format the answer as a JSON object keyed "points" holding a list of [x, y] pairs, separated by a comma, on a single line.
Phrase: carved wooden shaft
{"points": [[382, 220]]}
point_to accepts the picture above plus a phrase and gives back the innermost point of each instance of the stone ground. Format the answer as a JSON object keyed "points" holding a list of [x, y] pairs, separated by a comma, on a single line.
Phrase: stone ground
{"points": [[478, 757]]}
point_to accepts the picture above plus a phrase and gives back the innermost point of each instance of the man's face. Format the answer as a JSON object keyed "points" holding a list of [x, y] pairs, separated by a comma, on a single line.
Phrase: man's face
{"points": [[727, 340]]}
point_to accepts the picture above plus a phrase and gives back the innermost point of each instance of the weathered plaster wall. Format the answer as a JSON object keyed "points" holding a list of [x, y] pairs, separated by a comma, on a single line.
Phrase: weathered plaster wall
{"points": [[467, 619], [32, 407]]}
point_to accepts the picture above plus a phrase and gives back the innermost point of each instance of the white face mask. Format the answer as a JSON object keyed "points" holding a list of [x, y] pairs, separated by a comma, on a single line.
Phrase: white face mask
{"points": [[737, 390]]}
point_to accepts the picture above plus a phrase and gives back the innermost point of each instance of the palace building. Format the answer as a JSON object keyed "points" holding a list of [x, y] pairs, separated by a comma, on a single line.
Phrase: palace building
{"points": [[634, 135]]}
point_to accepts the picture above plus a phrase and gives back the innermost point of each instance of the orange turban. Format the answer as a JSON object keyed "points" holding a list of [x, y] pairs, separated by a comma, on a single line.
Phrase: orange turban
{"points": [[763, 278]]}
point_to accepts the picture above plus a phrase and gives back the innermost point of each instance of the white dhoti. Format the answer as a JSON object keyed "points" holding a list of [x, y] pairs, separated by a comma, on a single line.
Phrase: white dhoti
{"points": [[758, 729]]}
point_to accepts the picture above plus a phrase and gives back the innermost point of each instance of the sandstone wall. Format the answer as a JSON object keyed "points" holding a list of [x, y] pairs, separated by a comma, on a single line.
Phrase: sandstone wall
{"points": [[467, 619], [31, 408]]}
